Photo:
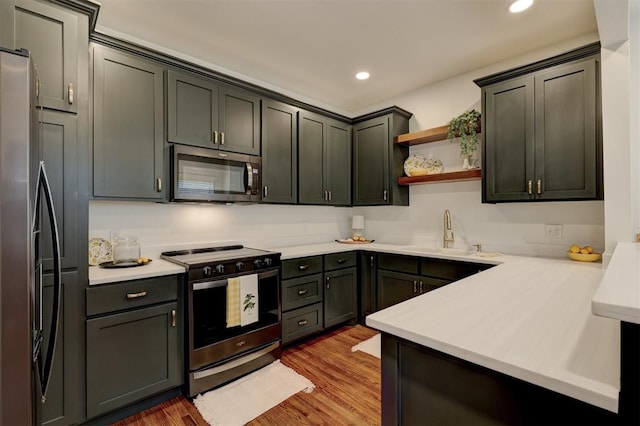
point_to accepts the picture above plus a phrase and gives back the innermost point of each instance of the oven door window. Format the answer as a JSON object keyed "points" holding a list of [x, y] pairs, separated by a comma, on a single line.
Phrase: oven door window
{"points": [[210, 176], [209, 302]]}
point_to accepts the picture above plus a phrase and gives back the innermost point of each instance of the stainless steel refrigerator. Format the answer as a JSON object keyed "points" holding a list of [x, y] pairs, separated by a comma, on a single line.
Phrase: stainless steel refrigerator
{"points": [[25, 205]]}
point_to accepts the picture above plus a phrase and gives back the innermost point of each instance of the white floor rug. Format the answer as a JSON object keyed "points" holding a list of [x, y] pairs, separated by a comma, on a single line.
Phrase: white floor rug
{"points": [[370, 346], [245, 399]]}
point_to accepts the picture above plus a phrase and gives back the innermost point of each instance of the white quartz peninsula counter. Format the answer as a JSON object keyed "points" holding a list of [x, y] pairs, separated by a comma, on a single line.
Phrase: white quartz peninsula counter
{"points": [[528, 318]]}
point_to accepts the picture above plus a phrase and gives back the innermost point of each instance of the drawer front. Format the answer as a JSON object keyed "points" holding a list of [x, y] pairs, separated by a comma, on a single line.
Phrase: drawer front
{"points": [[131, 294], [450, 269], [393, 262], [301, 322], [339, 260], [293, 268], [303, 291]]}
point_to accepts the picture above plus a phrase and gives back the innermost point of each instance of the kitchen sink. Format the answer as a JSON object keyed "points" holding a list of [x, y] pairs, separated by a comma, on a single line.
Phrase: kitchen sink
{"points": [[455, 251]]}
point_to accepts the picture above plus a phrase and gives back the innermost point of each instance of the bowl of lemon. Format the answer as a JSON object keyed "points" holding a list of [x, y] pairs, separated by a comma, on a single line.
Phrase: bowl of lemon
{"points": [[582, 254]]}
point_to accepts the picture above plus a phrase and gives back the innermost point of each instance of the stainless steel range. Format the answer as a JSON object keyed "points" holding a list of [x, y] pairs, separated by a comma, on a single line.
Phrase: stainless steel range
{"points": [[233, 312]]}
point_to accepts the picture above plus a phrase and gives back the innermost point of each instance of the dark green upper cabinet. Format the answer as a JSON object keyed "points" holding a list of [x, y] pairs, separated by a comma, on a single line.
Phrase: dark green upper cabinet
{"points": [[324, 160], [192, 110], [542, 136], [239, 121], [378, 161], [51, 34], [203, 113], [279, 153], [128, 126]]}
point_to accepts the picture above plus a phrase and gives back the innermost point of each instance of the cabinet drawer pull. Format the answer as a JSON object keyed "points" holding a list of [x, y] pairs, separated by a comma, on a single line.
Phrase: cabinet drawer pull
{"points": [[326, 196], [265, 192], [328, 283], [371, 261], [159, 185], [385, 195], [329, 195], [302, 322], [303, 292], [421, 289], [241, 343], [136, 295], [539, 186], [173, 318], [303, 267], [70, 93], [415, 286], [221, 138], [341, 261], [215, 136], [530, 187]]}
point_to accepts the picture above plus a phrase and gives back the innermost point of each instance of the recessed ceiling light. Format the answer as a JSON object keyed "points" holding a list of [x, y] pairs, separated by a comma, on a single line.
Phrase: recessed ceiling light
{"points": [[520, 5], [362, 75]]}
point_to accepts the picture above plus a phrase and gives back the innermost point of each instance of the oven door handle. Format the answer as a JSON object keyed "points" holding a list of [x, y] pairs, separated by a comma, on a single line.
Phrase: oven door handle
{"points": [[209, 284]]}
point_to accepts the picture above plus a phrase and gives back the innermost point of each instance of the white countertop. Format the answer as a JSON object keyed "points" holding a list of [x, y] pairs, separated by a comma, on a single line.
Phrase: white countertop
{"points": [[529, 318], [156, 268], [619, 293]]}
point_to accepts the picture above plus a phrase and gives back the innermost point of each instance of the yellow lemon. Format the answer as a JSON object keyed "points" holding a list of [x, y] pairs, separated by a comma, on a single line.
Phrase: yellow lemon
{"points": [[584, 251], [574, 249], [589, 249]]}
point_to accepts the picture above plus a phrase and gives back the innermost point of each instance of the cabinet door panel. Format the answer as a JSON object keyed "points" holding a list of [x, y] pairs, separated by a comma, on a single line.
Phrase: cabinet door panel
{"points": [[340, 296], [371, 162], [59, 151], [337, 166], [310, 147], [240, 122], [50, 33], [566, 131], [192, 110], [130, 355], [509, 155], [128, 135], [395, 287], [63, 405], [279, 153]]}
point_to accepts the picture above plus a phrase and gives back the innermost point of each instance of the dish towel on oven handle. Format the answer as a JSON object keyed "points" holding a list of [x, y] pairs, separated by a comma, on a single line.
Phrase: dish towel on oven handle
{"points": [[233, 302], [249, 308]]}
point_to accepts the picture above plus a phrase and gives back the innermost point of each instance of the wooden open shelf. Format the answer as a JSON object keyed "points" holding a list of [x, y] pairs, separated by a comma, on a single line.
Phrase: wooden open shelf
{"points": [[462, 175], [436, 134]]}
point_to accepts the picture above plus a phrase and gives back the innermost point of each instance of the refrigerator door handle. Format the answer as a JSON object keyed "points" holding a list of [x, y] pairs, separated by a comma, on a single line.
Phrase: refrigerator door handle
{"points": [[46, 364]]}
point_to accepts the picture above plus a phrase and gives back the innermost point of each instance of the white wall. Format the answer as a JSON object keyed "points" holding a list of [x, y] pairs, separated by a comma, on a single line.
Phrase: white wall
{"points": [[512, 228]]}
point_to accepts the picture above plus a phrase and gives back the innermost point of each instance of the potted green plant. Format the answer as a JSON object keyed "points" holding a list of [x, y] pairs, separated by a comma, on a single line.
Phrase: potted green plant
{"points": [[465, 128]]}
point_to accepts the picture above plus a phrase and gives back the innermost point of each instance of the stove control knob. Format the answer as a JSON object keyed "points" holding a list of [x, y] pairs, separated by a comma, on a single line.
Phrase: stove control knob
{"points": [[257, 263], [239, 266], [206, 271], [220, 269], [268, 261]]}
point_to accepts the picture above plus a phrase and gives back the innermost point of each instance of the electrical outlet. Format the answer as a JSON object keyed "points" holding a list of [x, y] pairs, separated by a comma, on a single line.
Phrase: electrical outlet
{"points": [[553, 231]]}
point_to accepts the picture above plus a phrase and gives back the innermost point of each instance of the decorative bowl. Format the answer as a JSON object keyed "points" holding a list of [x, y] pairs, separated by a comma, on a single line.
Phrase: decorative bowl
{"points": [[582, 257]]}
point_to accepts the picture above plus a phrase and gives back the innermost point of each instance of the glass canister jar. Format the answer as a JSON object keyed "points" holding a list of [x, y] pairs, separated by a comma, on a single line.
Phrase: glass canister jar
{"points": [[126, 249]]}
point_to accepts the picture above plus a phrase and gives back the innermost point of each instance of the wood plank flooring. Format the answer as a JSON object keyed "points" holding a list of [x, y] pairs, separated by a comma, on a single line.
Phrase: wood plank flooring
{"points": [[347, 387]]}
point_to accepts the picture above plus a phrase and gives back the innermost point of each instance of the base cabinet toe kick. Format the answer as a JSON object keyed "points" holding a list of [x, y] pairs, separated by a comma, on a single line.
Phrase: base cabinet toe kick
{"points": [[427, 387]]}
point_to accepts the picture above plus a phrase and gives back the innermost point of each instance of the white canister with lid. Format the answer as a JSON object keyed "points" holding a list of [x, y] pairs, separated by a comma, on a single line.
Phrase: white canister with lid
{"points": [[126, 249]]}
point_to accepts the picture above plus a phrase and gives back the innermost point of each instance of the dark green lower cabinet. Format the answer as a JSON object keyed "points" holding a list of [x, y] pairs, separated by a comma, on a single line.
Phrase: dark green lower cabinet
{"points": [[421, 386], [395, 287], [130, 356], [64, 397], [340, 296]]}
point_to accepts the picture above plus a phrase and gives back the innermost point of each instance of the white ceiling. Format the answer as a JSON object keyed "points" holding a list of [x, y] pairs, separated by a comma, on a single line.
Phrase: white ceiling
{"points": [[314, 47]]}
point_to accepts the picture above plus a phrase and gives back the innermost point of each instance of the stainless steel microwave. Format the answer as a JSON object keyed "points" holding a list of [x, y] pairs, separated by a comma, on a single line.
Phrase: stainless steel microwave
{"points": [[203, 174]]}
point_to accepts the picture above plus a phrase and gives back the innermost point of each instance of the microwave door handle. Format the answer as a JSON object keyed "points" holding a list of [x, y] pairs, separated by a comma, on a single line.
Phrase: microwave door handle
{"points": [[43, 184], [249, 172]]}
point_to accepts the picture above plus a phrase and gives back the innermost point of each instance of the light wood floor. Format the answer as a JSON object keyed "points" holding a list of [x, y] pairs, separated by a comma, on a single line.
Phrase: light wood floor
{"points": [[347, 387]]}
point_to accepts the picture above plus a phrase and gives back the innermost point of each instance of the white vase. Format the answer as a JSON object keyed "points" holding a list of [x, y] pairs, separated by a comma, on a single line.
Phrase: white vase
{"points": [[467, 163]]}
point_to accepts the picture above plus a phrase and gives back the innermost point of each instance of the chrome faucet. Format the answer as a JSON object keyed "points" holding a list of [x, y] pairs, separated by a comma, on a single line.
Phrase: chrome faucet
{"points": [[447, 236]]}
